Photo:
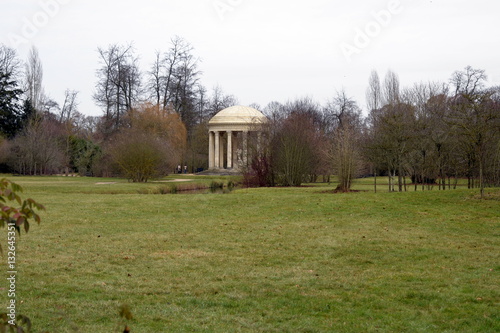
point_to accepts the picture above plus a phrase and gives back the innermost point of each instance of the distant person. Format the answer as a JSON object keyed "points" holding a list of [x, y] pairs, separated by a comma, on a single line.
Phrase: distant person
{"points": [[185, 169]]}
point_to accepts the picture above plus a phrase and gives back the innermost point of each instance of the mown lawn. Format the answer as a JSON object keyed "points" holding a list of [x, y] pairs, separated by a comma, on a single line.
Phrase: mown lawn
{"points": [[259, 260]]}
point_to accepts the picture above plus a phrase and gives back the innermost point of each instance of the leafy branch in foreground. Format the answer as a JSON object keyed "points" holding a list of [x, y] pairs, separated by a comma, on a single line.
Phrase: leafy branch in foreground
{"points": [[7, 326], [18, 215]]}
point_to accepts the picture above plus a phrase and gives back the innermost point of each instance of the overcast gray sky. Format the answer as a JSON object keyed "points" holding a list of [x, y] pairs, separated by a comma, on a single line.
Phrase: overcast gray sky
{"points": [[261, 50]]}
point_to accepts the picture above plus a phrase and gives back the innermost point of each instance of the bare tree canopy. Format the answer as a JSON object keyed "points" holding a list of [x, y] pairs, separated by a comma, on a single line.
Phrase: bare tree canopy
{"points": [[374, 92], [118, 88], [345, 149], [33, 79], [70, 105], [469, 81], [173, 81], [391, 88], [9, 62]]}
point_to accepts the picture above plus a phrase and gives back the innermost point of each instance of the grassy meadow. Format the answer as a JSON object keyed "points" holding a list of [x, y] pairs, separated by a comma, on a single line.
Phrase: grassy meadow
{"points": [[258, 260]]}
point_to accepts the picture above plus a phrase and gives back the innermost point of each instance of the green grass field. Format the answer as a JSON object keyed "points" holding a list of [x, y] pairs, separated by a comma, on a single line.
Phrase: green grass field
{"points": [[258, 260]]}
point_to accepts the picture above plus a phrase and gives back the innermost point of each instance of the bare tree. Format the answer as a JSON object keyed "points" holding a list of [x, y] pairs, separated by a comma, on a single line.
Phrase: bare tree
{"points": [[33, 79], [66, 118], [474, 116], [345, 135], [187, 78], [392, 139], [154, 85], [37, 150], [219, 101], [346, 156], [492, 169], [9, 62], [274, 111], [469, 82], [69, 106], [201, 105], [430, 133], [178, 50], [374, 102], [391, 88], [119, 83], [374, 92], [296, 143], [293, 157], [173, 81], [343, 110], [48, 105]]}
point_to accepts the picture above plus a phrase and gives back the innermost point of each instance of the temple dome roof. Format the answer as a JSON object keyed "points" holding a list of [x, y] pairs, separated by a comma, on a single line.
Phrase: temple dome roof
{"points": [[238, 115]]}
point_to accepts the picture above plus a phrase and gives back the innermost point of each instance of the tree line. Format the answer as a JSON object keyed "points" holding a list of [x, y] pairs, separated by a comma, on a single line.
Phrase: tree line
{"points": [[164, 109], [427, 135]]}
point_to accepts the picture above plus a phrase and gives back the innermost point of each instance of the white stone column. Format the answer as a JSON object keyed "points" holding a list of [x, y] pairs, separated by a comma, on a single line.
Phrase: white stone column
{"points": [[229, 149], [221, 151], [245, 149], [235, 150], [217, 150], [210, 150]]}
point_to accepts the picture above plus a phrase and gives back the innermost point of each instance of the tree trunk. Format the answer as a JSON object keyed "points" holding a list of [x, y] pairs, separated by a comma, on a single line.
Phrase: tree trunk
{"points": [[400, 180], [481, 181]]}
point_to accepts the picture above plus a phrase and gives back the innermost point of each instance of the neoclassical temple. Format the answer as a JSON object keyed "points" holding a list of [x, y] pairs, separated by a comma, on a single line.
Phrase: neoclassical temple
{"points": [[229, 135]]}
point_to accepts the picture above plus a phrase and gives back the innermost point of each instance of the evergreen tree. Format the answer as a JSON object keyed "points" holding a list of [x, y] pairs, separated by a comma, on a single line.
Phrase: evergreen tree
{"points": [[11, 114]]}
